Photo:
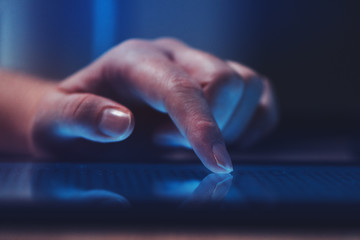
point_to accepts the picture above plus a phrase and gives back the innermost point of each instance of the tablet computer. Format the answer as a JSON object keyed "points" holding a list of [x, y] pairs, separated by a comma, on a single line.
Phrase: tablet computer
{"points": [[186, 193]]}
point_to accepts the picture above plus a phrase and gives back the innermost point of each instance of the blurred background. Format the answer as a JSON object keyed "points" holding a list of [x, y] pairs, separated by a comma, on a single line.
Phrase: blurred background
{"points": [[309, 49]]}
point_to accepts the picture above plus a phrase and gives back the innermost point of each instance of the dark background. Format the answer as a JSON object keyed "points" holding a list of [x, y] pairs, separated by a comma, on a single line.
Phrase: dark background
{"points": [[309, 49]]}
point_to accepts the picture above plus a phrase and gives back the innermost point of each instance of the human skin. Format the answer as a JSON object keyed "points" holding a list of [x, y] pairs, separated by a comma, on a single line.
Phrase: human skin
{"points": [[209, 102]]}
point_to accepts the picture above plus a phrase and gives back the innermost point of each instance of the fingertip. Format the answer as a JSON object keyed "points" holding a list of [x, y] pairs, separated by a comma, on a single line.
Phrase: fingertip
{"points": [[216, 158], [222, 157]]}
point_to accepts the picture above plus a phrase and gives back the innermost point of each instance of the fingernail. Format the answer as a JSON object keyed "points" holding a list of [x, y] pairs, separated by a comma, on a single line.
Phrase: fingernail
{"points": [[115, 123], [222, 157]]}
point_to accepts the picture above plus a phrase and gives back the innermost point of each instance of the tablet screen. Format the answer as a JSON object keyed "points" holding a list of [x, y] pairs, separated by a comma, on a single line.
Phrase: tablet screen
{"points": [[251, 190]]}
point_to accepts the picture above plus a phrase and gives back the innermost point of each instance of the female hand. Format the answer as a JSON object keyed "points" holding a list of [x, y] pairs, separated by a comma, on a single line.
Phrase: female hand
{"points": [[208, 100]]}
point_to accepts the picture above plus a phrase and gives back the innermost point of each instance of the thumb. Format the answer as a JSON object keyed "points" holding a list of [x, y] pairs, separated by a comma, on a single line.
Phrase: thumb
{"points": [[86, 116]]}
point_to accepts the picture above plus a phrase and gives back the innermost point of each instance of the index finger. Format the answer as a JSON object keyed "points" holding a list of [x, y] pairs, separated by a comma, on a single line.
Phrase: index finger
{"points": [[166, 87], [186, 104]]}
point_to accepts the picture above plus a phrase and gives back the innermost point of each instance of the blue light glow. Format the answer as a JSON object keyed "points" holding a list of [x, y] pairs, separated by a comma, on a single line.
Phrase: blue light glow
{"points": [[104, 26]]}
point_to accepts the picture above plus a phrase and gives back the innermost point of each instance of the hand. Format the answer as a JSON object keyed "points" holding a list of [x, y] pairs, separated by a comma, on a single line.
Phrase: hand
{"points": [[206, 98]]}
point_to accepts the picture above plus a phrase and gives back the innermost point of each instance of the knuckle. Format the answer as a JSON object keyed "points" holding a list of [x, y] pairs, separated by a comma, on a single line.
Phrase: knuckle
{"points": [[181, 89], [134, 43], [181, 84], [205, 126], [221, 74], [212, 68], [139, 50], [168, 40], [201, 129]]}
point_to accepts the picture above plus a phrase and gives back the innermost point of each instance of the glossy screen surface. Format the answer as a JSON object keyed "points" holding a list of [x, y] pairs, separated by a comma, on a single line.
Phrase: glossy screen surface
{"points": [[119, 190]]}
